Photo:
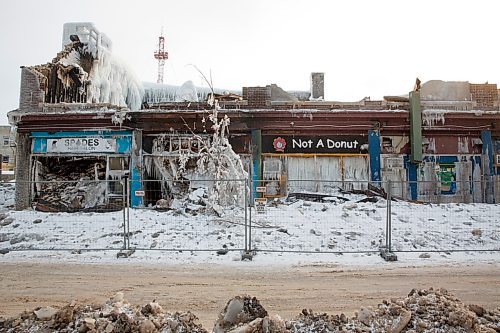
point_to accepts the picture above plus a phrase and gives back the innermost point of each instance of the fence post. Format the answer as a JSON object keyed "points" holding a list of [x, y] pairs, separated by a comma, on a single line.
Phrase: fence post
{"points": [[127, 194], [386, 251], [250, 204], [124, 203], [247, 254], [245, 204], [126, 251], [389, 217]]}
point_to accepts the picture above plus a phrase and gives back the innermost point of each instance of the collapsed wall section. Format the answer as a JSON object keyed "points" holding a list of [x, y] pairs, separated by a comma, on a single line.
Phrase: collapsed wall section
{"points": [[83, 72]]}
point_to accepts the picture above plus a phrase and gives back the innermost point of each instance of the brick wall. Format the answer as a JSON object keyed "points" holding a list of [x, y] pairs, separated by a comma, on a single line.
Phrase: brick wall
{"points": [[23, 152], [257, 97], [32, 93], [485, 95]]}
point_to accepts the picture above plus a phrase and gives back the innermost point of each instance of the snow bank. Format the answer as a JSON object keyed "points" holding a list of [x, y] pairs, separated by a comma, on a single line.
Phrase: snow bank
{"points": [[321, 231]]}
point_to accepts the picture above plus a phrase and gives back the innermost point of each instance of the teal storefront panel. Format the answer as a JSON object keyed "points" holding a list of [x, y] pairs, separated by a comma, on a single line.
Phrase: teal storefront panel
{"points": [[123, 139]]}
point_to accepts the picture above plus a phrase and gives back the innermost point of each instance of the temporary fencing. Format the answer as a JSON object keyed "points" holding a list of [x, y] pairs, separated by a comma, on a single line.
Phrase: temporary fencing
{"points": [[302, 216]]}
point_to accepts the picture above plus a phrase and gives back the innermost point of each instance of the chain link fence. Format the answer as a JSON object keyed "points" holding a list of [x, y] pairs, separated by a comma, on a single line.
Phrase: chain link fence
{"points": [[445, 223], [318, 217], [201, 215], [302, 216], [65, 215]]}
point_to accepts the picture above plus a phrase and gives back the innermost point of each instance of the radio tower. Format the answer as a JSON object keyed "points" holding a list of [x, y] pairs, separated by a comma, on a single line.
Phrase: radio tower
{"points": [[161, 55]]}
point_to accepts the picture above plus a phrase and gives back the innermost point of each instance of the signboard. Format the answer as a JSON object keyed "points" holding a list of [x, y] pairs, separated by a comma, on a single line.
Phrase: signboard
{"points": [[81, 145], [328, 144], [139, 193], [260, 205], [261, 189]]}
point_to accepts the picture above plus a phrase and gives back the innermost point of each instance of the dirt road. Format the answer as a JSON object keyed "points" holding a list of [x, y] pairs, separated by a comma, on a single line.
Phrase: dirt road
{"points": [[204, 289]]}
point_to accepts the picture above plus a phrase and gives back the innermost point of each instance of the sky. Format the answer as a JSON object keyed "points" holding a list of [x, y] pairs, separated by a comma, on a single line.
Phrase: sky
{"points": [[364, 47]]}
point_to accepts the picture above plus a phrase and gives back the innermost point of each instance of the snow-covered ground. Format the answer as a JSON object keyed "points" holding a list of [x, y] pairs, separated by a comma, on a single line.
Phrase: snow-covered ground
{"points": [[287, 233]]}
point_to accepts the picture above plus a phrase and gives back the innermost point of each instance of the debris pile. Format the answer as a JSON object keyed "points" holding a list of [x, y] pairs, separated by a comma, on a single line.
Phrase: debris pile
{"points": [[115, 316], [244, 314], [73, 185], [191, 204], [421, 311], [431, 310]]}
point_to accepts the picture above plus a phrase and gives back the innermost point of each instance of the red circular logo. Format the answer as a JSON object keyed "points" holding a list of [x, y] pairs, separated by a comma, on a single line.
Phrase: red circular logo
{"points": [[279, 144]]}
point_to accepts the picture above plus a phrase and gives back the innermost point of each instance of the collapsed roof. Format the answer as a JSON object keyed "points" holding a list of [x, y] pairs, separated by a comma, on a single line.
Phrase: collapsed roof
{"points": [[86, 71]]}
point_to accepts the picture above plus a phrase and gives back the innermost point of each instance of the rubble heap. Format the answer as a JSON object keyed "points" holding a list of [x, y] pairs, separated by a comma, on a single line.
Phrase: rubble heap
{"points": [[71, 186], [115, 316], [244, 314], [431, 310], [421, 311]]}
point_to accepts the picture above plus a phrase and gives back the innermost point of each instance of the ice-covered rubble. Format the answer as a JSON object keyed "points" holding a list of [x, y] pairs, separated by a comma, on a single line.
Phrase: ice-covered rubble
{"points": [[115, 316], [426, 310]]}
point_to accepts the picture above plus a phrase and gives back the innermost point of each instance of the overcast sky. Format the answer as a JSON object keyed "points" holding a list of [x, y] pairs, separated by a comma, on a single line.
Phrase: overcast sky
{"points": [[365, 47]]}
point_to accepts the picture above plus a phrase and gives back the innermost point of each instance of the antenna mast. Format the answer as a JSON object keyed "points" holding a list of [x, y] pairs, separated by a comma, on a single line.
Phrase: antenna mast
{"points": [[161, 55]]}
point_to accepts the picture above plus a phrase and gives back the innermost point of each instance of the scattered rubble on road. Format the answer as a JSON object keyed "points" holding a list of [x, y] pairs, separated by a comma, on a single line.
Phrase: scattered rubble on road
{"points": [[428, 310]]}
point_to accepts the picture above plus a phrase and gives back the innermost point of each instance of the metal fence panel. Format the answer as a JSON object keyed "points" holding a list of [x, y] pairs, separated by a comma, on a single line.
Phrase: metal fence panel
{"points": [[67, 215], [445, 227], [189, 216], [339, 217]]}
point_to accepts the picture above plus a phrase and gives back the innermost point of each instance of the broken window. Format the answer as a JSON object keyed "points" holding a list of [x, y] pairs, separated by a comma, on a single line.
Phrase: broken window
{"points": [[117, 170]]}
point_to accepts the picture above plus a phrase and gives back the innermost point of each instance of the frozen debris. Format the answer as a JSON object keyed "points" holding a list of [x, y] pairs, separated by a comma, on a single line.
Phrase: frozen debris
{"points": [[7, 221], [119, 117], [477, 232], [113, 81], [245, 314], [45, 313], [88, 73], [163, 204], [70, 185], [116, 315], [426, 310], [422, 311], [187, 93]]}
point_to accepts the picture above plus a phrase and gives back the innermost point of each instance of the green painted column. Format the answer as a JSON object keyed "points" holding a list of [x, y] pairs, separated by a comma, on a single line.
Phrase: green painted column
{"points": [[415, 128]]}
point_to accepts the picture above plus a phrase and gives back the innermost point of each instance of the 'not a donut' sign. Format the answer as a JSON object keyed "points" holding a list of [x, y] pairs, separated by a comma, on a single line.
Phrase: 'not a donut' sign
{"points": [[81, 145], [338, 144]]}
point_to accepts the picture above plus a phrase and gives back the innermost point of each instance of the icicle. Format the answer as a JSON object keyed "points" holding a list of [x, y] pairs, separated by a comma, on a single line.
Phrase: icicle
{"points": [[433, 117]]}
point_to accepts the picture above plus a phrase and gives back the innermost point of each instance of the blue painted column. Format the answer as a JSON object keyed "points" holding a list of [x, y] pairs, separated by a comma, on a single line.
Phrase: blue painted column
{"points": [[488, 165], [374, 149], [135, 168], [412, 177], [256, 161]]}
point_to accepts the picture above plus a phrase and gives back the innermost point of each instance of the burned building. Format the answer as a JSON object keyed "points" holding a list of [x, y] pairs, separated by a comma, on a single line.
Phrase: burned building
{"points": [[77, 121]]}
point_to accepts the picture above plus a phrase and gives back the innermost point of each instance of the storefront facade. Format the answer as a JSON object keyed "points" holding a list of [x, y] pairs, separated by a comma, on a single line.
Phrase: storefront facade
{"points": [[101, 155]]}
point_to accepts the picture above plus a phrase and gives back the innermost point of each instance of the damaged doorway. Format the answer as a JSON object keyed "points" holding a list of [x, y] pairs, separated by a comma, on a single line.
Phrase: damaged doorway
{"points": [[78, 183]]}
